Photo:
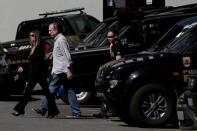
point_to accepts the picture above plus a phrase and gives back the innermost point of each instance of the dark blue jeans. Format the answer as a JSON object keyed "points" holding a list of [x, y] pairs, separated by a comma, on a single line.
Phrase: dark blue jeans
{"points": [[56, 81]]}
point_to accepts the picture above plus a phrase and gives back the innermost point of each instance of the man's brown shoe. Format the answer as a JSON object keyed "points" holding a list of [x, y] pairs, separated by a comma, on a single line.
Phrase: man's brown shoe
{"points": [[38, 111]]}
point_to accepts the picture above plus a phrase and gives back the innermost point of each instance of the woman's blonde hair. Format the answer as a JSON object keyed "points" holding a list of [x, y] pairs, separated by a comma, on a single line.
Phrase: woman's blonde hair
{"points": [[35, 43]]}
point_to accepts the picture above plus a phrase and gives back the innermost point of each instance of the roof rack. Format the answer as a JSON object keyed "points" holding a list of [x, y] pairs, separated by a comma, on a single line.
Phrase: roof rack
{"points": [[191, 8], [45, 14]]}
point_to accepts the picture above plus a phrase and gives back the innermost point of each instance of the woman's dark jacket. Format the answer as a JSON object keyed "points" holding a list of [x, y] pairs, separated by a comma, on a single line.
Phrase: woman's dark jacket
{"points": [[37, 64]]}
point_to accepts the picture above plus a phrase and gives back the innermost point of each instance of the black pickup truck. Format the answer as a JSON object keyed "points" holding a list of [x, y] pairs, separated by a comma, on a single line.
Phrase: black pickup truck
{"points": [[75, 26], [142, 88]]}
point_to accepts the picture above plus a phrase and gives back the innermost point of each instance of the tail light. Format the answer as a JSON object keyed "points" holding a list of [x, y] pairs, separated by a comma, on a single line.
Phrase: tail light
{"points": [[46, 48]]}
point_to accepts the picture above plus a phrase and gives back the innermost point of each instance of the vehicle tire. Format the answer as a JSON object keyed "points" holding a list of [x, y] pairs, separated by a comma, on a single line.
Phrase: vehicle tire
{"points": [[122, 109], [125, 116], [151, 105], [82, 97]]}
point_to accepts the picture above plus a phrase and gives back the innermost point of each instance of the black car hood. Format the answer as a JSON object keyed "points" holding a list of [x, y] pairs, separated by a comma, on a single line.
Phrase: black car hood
{"points": [[142, 57]]}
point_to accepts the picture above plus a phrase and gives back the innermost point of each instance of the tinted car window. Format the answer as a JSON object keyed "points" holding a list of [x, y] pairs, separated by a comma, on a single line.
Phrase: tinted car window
{"points": [[93, 34], [180, 43], [167, 38], [92, 22], [41, 25], [130, 33], [80, 25], [127, 33], [193, 48], [99, 36], [152, 32]]}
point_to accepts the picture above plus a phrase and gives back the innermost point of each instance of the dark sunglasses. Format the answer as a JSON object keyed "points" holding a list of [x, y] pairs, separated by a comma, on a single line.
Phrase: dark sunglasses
{"points": [[110, 36], [31, 35]]}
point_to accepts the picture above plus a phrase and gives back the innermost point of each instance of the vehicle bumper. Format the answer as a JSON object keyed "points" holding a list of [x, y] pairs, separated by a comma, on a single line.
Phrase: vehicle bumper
{"points": [[109, 95], [4, 79], [101, 86]]}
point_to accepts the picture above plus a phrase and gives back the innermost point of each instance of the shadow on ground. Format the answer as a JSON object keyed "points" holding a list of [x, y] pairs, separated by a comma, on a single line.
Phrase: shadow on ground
{"points": [[16, 98], [167, 126]]}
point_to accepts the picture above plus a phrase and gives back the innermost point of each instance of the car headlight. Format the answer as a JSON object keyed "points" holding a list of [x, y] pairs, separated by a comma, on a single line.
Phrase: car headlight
{"points": [[190, 101], [111, 76], [191, 84], [113, 83]]}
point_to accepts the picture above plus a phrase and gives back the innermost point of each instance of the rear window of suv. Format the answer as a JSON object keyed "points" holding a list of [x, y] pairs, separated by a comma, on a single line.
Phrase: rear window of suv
{"points": [[73, 25], [83, 25], [41, 25]]}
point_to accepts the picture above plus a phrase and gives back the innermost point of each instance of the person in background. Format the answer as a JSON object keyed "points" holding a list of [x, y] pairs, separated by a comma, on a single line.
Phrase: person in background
{"points": [[37, 74], [61, 72], [117, 51]]}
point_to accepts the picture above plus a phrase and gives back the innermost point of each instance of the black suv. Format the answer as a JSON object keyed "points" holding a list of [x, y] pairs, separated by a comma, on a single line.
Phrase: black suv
{"points": [[142, 88], [79, 24], [139, 34], [75, 26]]}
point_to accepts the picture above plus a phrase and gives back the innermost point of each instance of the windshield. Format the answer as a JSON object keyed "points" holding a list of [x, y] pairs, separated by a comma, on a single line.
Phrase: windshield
{"points": [[98, 38], [98, 35], [128, 33], [94, 33], [122, 36], [167, 38], [178, 45]]}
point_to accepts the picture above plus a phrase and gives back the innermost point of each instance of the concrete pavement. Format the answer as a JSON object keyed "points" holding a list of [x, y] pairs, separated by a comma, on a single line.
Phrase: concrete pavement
{"points": [[34, 122]]}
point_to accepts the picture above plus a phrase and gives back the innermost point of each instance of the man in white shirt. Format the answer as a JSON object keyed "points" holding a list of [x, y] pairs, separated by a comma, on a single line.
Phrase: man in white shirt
{"points": [[61, 71]]}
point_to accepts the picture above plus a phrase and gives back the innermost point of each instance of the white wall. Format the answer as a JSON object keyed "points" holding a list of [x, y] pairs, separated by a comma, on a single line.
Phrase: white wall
{"points": [[179, 2], [12, 12]]}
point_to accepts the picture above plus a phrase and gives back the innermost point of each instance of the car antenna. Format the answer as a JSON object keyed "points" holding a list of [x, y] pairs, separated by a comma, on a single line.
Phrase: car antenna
{"points": [[45, 14]]}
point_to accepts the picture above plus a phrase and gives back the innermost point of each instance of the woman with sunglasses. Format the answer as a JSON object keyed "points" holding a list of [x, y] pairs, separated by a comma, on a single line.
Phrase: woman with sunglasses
{"points": [[37, 73]]}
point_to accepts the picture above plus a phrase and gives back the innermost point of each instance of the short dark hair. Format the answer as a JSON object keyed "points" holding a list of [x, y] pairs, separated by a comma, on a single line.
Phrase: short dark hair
{"points": [[114, 31], [56, 26]]}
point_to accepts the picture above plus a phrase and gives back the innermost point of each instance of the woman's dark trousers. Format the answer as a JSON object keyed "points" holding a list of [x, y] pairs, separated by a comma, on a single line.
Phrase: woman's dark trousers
{"points": [[52, 108]]}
